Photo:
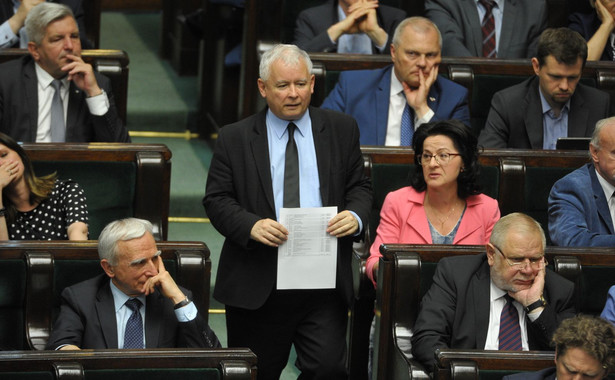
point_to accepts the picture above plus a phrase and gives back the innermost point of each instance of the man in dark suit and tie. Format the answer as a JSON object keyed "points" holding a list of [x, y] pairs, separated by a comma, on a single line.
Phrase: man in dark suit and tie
{"points": [[584, 349], [289, 155], [505, 299], [551, 104], [52, 95], [134, 304], [389, 104]]}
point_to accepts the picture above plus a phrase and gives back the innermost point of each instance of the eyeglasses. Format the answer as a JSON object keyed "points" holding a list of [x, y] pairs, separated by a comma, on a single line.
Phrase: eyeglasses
{"points": [[441, 158], [520, 263]]}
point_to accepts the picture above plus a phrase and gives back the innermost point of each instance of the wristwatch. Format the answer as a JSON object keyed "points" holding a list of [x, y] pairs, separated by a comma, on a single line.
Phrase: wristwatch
{"points": [[185, 302], [535, 305]]}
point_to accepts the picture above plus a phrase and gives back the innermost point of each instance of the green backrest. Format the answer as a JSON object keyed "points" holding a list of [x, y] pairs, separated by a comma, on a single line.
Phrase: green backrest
{"points": [[12, 297], [35, 375], [594, 286], [109, 188]]}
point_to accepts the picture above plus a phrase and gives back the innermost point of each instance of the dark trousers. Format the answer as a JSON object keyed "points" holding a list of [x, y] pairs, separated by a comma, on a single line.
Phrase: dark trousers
{"points": [[313, 320]]}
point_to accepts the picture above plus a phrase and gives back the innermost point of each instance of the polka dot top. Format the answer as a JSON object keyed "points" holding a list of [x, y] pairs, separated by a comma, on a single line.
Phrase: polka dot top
{"points": [[49, 220]]}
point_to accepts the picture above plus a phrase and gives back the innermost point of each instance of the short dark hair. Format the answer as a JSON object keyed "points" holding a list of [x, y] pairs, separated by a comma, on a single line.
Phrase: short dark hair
{"points": [[594, 335], [565, 45], [465, 142]]}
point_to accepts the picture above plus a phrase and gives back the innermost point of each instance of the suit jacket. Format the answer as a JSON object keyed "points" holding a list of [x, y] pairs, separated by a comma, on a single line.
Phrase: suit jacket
{"points": [[586, 24], [19, 108], [543, 374], [515, 119], [522, 23], [6, 12], [403, 220], [364, 95], [87, 320], [455, 311], [579, 214], [312, 24], [239, 193]]}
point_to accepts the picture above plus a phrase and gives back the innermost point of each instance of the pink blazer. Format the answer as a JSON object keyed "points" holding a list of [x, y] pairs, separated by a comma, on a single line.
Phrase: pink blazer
{"points": [[403, 220]]}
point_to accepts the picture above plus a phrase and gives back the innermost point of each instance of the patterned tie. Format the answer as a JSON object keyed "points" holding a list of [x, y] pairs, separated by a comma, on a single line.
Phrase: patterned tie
{"points": [[407, 127], [133, 335], [510, 332], [58, 127], [291, 170], [488, 29]]}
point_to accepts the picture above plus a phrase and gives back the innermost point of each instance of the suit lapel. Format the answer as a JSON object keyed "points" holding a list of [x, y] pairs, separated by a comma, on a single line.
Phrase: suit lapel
{"points": [[260, 156], [321, 133], [74, 109], [509, 21], [577, 115], [470, 222], [601, 202], [31, 90], [433, 98], [104, 309], [417, 219], [154, 317], [533, 117], [480, 301], [470, 13], [381, 100]]}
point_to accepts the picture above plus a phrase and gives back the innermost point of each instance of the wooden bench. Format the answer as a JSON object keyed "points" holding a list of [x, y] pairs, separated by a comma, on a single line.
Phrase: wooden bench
{"points": [[149, 364], [482, 77], [35, 273], [488, 365], [112, 63], [406, 272], [119, 179]]}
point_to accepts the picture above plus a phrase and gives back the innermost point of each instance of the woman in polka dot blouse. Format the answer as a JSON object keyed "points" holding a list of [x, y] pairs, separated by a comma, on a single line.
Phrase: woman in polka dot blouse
{"points": [[37, 208]]}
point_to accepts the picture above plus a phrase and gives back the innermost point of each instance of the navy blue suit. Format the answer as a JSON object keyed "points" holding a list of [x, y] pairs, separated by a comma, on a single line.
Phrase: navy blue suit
{"points": [[364, 94], [578, 211]]}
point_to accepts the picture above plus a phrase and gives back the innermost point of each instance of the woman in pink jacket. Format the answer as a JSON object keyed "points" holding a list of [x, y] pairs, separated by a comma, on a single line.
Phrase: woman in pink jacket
{"points": [[444, 204]]}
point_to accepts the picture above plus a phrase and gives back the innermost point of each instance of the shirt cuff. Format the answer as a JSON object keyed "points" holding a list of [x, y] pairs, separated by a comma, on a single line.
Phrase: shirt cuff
{"points": [[425, 119], [359, 221], [7, 37], [534, 315], [99, 104], [186, 313], [383, 47]]}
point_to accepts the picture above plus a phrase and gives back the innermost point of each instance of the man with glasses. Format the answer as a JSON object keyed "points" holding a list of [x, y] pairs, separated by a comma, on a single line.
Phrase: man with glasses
{"points": [[134, 304], [505, 299]]}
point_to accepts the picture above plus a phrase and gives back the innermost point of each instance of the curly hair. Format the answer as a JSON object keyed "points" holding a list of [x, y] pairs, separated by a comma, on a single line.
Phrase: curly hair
{"points": [[594, 335], [464, 141]]}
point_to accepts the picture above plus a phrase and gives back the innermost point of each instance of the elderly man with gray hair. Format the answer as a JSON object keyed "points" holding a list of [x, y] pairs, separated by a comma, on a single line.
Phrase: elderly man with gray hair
{"points": [[134, 304], [581, 204]]}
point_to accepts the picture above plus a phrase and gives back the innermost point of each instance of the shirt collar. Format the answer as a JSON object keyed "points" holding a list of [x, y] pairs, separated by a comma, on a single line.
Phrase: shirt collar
{"points": [[546, 107], [120, 298], [396, 86], [44, 78], [278, 126], [498, 3], [495, 292], [606, 186]]}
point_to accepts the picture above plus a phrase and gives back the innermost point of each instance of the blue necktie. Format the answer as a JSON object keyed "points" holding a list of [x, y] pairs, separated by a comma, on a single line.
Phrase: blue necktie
{"points": [[407, 127], [133, 335], [58, 127], [510, 331]]}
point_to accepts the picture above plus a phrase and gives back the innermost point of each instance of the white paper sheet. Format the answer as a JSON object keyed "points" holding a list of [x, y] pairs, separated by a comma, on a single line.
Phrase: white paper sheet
{"points": [[308, 259]]}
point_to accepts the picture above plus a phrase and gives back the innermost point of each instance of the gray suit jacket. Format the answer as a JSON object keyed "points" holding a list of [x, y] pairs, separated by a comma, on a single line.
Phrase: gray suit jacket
{"points": [[19, 108], [458, 21], [515, 117]]}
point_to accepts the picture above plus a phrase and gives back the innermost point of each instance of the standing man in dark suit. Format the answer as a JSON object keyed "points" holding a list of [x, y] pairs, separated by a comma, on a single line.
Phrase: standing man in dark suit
{"points": [[552, 104], [248, 184], [30, 110], [410, 87], [347, 26], [584, 349], [517, 25], [13, 17], [98, 313], [470, 296]]}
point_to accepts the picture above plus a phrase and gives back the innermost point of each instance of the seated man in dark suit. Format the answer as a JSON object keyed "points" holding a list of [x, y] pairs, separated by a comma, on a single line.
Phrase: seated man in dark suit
{"points": [[134, 304], [390, 103], [584, 349], [581, 204], [347, 26], [13, 17], [597, 28], [505, 299], [52, 95], [552, 104]]}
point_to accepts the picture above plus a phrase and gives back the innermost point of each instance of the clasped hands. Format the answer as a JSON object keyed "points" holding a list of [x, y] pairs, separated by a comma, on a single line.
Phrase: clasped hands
{"points": [[361, 18]]}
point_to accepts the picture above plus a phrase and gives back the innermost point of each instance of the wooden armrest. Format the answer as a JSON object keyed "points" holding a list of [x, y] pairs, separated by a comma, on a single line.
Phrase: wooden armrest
{"points": [[68, 371], [236, 370], [39, 297]]}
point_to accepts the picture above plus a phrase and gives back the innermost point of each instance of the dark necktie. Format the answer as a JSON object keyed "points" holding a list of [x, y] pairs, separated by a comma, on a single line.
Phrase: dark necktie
{"points": [[488, 29], [58, 127], [291, 170], [133, 335], [407, 127], [510, 332]]}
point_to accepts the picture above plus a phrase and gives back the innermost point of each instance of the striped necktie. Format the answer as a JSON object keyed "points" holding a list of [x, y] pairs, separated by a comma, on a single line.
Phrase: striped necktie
{"points": [[488, 29], [510, 331]]}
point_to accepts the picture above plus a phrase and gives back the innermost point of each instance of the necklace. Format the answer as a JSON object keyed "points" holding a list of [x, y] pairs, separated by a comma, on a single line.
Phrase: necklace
{"points": [[443, 219]]}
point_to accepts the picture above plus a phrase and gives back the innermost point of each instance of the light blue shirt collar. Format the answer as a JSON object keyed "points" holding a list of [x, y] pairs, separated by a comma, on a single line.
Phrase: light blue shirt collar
{"points": [[120, 298]]}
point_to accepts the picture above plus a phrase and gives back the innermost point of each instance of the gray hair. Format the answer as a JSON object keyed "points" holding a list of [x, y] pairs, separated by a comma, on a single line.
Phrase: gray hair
{"points": [[419, 24], [595, 140], [518, 222], [289, 54], [120, 230], [41, 16]]}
